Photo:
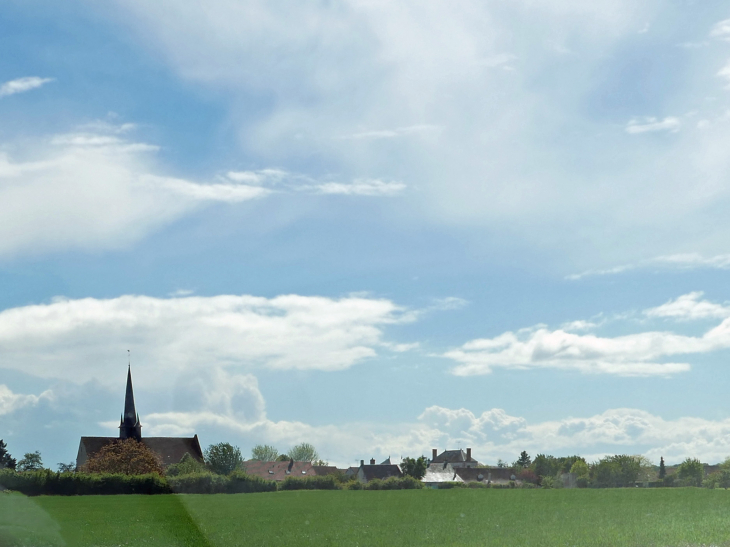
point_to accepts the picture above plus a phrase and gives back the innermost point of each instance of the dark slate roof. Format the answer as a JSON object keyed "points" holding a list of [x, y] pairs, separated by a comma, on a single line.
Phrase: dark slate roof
{"points": [[278, 471], [169, 449], [326, 470], [382, 472], [450, 456], [471, 474]]}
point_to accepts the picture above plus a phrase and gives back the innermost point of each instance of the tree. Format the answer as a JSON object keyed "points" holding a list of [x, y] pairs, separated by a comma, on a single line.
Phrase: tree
{"points": [[691, 472], [282, 458], [662, 469], [580, 468], [303, 452], [128, 457], [647, 471], [31, 461], [544, 465], [223, 458], [66, 467], [414, 468], [6, 460], [524, 460], [501, 463], [264, 453]]}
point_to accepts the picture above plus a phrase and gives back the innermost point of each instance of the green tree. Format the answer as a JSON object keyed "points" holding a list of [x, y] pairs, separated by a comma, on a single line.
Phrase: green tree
{"points": [[524, 460], [580, 468], [31, 461], [662, 468], [223, 458], [66, 467], [303, 452], [283, 458], [544, 465], [128, 457], [691, 472], [415, 468], [616, 471], [264, 453], [6, 460]]}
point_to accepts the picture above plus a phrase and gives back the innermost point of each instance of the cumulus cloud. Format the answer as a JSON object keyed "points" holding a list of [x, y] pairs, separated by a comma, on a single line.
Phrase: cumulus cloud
{"points": [[639, 354], [689, 307], [194, 333], [632, 355], [11, 402], [650, 125], [21, 85]]}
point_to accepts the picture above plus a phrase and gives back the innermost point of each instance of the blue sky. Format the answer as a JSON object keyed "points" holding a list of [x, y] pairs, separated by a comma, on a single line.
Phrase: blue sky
{"points": [[378, 228]]}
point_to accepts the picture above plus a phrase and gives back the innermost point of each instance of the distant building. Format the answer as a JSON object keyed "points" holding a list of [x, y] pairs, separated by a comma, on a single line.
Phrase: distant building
{"points": [[457, 458], [383, 471], [169, 449]]}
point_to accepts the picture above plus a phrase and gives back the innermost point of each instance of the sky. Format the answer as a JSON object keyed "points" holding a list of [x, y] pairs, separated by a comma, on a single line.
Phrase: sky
{"points": [[376, 227]]}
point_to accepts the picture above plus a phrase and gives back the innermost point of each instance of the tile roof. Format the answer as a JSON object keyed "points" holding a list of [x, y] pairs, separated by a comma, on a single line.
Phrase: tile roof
{"points": [[278, 471]]}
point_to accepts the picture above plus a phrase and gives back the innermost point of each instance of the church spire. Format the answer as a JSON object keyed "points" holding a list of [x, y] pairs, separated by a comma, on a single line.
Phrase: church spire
{"points": [[130, 426]]}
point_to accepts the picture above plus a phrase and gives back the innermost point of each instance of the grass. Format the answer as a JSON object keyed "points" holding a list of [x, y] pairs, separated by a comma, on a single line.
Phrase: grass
{"points": [[622, 517]]}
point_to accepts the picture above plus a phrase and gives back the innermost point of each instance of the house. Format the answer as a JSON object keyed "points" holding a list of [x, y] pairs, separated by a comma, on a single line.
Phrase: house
{"points": [[486, 475], [278, 471], [438, 473], [169, 449], [383, 471], [457, 458]]}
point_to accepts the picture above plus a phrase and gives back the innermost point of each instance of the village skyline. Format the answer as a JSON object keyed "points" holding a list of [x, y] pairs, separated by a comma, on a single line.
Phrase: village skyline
{"points": [[375, 228]]}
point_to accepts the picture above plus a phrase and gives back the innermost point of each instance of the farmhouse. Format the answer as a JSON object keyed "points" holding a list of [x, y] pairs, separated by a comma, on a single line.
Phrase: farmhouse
{"points": [[169, 449], [457, 458]]}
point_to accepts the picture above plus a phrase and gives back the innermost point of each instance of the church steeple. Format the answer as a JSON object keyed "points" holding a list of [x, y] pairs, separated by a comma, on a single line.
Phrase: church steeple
{"points": [[130, 426]]}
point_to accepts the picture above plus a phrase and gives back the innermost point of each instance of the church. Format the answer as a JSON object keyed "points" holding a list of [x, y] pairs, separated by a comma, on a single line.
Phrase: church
{"points": [[169, 449]]}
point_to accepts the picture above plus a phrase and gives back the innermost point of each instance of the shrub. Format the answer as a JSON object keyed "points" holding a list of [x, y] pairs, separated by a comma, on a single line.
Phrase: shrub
{"points": [[375, 484], [198, 483], [477, 485], [326, 482], [241, 483], [186, 466], [449, 485], [46, 482], [355, 485]]}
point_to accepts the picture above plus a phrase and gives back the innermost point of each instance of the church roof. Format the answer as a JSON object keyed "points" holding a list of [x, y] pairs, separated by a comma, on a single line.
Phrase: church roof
{"points": [[169, 449]]}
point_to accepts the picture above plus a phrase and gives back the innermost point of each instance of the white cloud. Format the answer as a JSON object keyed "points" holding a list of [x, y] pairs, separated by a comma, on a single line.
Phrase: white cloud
{"points": [[680, 261], [721, 30], [284, 181], [724, 72], [689, 307], [650, 125], [631, 355], [394, 133], [360, 187], [94, 190], [639, 354], [21, 85], [11, 402], [194, 333]]}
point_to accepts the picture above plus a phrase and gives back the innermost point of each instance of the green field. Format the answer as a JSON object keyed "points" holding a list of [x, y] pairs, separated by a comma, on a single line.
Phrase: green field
{"points": [[677, 516]]}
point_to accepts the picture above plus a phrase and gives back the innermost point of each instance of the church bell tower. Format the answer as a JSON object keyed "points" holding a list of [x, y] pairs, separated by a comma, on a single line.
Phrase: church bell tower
{"points": [[130, 428]]}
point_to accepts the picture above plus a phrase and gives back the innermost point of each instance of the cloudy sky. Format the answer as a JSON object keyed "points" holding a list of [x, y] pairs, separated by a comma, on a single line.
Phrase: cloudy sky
{"points": [[377, 227]]}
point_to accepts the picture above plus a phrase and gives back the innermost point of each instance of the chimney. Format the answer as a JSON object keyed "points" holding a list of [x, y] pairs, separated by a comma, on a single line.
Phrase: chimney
{"points": [[362, 462], [468, 454], [372, 461], [434, 454]]}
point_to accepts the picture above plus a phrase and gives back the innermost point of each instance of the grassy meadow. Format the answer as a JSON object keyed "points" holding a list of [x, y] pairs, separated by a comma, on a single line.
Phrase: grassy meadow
{"points": [[615, 517]]}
